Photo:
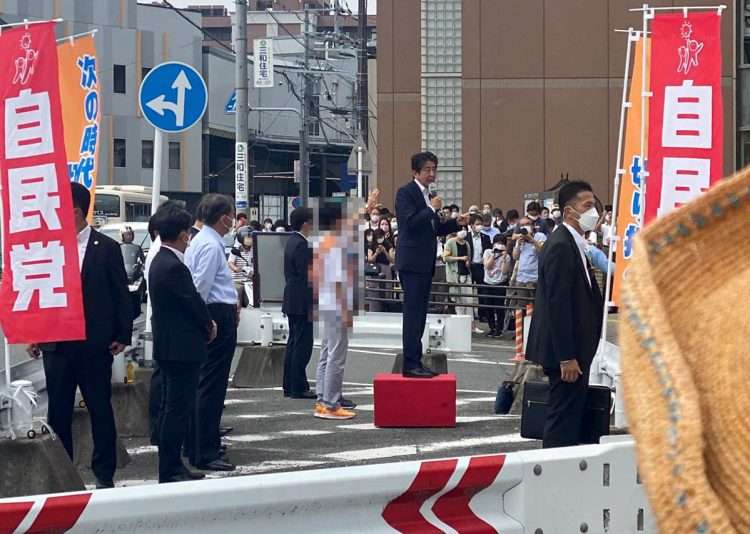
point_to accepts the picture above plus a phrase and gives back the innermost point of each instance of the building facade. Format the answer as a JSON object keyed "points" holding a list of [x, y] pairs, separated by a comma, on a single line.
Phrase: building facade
{"points": [[513, 94], [131, 39]]}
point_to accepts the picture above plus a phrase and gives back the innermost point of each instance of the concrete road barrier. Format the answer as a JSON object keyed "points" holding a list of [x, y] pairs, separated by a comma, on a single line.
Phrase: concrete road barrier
{"points": [[260, 367], [83, 442]]}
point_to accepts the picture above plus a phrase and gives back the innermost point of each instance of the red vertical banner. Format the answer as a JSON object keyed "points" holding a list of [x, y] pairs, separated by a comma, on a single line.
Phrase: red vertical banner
{"points": [[40, 296], [685, 138]]}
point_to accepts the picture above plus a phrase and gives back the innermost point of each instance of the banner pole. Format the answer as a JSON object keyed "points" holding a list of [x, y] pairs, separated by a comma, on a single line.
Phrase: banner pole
{"points": [[6, 345], [633, 36], [156, 186], [645, 95]]}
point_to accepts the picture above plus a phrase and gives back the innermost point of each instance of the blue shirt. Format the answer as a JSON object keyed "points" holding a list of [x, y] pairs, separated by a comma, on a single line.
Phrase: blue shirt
{"points": [[490, 232], [528, 261], [211, 275]]}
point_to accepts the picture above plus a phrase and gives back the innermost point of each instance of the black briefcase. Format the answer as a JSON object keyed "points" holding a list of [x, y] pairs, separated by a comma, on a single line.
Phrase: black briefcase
{"points": [[595, 420]]}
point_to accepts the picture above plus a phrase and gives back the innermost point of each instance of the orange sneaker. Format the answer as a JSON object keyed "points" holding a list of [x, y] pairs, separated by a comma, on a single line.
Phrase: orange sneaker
{"points": [[338, 413], [319, 407]]}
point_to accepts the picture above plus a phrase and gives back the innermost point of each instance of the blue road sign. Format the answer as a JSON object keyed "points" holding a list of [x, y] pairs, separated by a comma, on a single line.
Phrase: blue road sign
{"points": [[231, 105], [173, 97]]}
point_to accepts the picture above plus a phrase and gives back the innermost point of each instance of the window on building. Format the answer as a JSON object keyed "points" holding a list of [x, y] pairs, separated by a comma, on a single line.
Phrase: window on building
{"points": [[119, 79], [174, 155], [119, 154], [147, 154], [222, 34], [145, 71], [137, 211], [262, 5]]}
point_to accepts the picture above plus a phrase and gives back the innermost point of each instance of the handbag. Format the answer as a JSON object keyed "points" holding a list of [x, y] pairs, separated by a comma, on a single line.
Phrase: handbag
{"points": [[596, 415], [506, 394]]}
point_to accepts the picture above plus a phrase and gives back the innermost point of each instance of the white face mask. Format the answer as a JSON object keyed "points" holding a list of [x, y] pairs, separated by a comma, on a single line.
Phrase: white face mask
{"points": [[269, 226], [461, 235], [281, 229], [588, 219], [529, 229], [556, 215], [454, 215], [394, 225], [375, 218]]}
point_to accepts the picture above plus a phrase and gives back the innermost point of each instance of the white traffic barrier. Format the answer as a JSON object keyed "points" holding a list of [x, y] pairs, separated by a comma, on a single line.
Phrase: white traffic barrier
{"points": [[589, 489], [376, 330]]}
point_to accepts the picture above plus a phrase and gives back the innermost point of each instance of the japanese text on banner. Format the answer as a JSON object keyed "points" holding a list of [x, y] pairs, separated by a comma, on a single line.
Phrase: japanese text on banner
{"points": [[685, 146], [40, 296], [80, 100]]}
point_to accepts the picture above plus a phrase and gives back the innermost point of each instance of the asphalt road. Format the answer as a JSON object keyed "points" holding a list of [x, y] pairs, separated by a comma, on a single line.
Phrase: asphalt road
{"points": [[273, 434]]}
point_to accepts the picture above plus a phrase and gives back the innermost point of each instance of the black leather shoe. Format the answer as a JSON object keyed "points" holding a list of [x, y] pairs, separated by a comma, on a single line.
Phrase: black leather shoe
{"points": [[224, 430], [192, 475], [104, 484], [216, 465], [306, 395], [419, 372], [434, 373], [346, 403], [183, 477]]}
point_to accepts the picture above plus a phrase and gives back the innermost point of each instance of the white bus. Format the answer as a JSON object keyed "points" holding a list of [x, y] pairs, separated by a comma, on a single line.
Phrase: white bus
{"points": [[123, 203]]}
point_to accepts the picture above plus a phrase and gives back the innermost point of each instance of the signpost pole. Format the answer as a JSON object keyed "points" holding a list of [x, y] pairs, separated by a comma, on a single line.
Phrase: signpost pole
{"points": [[156, 186], [359, 171], [241, 90]]}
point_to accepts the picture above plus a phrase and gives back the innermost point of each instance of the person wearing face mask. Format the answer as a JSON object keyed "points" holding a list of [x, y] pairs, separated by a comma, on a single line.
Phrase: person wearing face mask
{"points": [[182, 328], [527, 247], [478, 243], [534, 211], [486, 208], [375, 219], [555, 219], [241, 264], [385, 227], [498, 221], [213, 279], [457, 272], [567, 320], [489, 229], [497, 263], [268, 224]]}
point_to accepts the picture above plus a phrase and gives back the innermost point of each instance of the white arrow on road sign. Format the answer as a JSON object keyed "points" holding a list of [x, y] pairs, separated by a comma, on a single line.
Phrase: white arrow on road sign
{"points": [[160, 104]]}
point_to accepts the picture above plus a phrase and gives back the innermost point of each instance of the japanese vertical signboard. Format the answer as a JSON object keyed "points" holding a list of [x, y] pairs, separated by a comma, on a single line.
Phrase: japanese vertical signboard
{"points": [[263, 62], [40, 296], [79, 96], [629, 205], [240, 175], [685, 144]]}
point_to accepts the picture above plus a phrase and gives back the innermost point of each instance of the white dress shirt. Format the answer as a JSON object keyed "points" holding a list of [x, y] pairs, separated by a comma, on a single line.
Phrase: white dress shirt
{"points": [[582, 245], [83, 243], [476, 240], [180, 255], [425, 195]]}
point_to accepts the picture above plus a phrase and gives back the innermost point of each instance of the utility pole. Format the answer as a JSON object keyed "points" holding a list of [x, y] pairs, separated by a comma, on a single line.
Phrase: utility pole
{"points": [[364, 108], [241, 159], [304, 135]]}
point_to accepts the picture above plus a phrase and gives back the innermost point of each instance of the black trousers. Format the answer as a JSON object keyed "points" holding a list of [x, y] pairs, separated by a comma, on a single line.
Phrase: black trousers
{"points": [[154, 402], [416, 288], [203, 443], [65, 369], [180, 386], [495, 316], [477, 278], [298, 353], [566, 405]]}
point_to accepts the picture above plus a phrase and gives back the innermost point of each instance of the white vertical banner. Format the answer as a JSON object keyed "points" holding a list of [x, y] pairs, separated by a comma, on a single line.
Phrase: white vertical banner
{"points": [[263, 62], [240, 175]]}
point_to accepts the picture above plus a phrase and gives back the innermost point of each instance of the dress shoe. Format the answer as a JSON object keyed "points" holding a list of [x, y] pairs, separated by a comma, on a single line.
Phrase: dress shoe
{"points": [[192, 475], [182, 477], [216, 465], [309, 394], [418, 372], [434, 373], [346, 403], [224, 430], [104, 484]]}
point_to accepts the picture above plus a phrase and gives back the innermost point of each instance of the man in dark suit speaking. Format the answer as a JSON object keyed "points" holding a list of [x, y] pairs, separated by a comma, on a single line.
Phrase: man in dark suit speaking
{"points": [[567, 320], [182, 329], [419, 226], [87, 364]]}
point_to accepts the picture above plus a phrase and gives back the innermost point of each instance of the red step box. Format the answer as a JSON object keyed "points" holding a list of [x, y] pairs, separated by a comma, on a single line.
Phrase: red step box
{"points": [[415, 402]]}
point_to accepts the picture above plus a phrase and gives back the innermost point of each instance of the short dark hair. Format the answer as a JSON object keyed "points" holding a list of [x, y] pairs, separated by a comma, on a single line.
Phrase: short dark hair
{"points": [[499, 238], [153, 221], [255, 225], [512, 214], [279, 223], [172, 221], [533, 206], [497, 212], [378, 234], [241, 215], [487, 219], [453, 207], [474, 218], [570, 191], [268, 220], [81, 197], [487, 204], [299, 217], [328, 216], [213, 207], [420, 159]]}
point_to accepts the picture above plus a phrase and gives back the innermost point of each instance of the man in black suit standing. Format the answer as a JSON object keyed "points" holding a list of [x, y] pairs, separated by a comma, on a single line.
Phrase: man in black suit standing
{"points": [[419, 226], [182, 329], [297, 306], [566, 324], [478, 243], [87, 364]]}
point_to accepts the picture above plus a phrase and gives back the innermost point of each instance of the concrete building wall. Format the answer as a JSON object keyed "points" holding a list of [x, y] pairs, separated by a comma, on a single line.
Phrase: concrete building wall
{"points": [[541, 89], [136, 36]]}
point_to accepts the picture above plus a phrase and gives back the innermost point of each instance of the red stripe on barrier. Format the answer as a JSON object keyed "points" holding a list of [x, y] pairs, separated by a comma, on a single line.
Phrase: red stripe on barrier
{"points": [[59, 514], [453, 507], [11, 515], [403, 514]]}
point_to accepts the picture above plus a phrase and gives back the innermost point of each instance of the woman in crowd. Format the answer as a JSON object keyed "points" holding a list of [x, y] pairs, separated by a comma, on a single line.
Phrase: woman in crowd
{"points": [[497, 263], [381, 251], [385, 226], [456, 258]]}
